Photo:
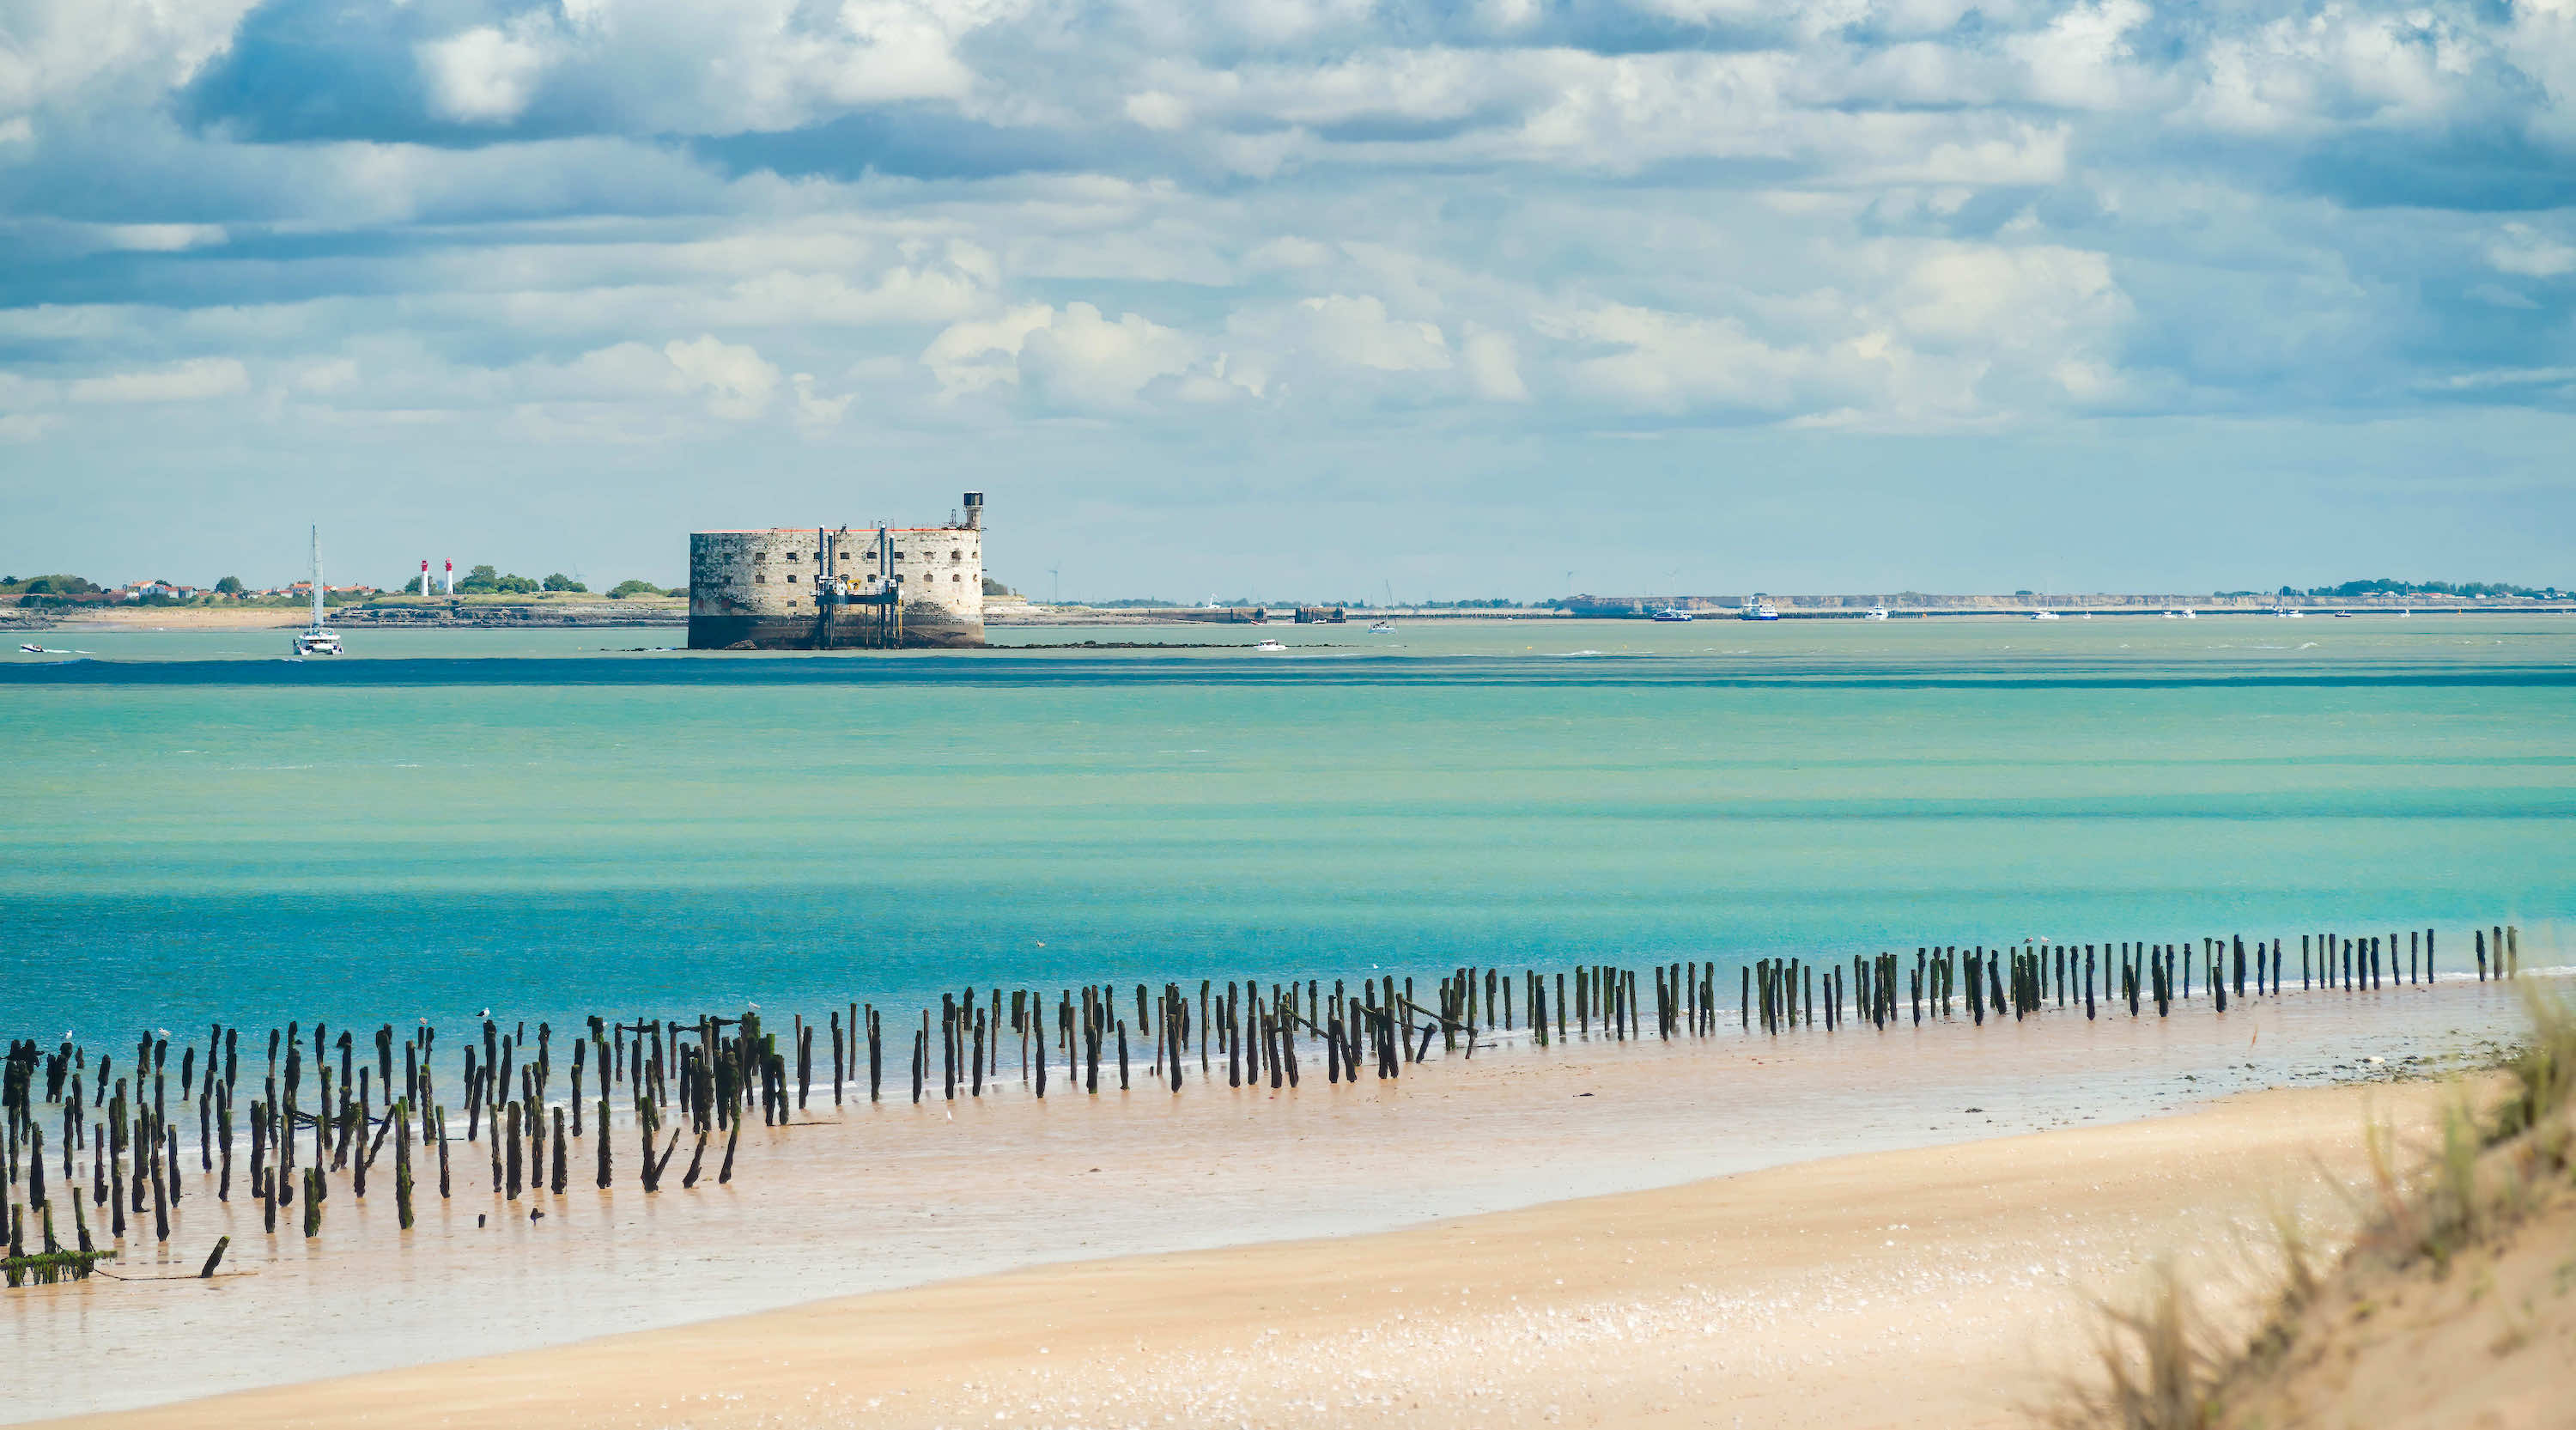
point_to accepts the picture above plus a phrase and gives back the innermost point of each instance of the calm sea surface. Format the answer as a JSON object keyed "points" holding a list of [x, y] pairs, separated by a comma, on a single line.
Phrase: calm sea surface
{"points": [[547, 824]]}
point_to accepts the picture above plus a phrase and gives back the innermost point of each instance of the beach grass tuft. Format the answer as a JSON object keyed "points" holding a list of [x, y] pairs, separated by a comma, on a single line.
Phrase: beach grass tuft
{"points": [[2163, 1360]]}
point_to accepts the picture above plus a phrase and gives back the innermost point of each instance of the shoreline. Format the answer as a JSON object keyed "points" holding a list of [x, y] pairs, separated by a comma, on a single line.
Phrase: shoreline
{"points": [[1930, 1286], [879, 1198]]}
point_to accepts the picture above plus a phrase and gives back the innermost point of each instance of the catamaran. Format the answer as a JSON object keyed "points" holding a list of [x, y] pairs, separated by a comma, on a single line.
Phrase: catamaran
{"points": [[317, 638], [1672, 613]]}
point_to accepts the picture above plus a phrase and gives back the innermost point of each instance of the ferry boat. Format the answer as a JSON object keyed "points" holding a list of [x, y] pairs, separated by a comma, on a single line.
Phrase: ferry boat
{"points": [[317, 638], [1672, 613], [1757, 609]]}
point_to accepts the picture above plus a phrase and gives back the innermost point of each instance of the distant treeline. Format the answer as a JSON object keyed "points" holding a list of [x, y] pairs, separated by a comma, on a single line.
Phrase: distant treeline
{"points": [[489, 581], [2392, 587]]}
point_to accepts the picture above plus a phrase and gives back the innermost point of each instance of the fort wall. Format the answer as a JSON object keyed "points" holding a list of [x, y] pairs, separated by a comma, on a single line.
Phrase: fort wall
{"points": [[814, 588]]}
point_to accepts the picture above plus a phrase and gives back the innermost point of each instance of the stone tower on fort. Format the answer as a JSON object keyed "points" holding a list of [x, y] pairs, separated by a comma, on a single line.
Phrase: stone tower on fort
{"points": [[824, 588]]}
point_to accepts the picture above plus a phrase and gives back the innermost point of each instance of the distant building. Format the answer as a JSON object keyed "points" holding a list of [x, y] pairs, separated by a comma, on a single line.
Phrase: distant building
{"points": [[820, 588]]}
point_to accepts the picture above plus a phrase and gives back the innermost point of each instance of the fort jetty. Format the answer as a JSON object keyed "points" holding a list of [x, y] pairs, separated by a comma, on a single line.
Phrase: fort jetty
{"points": [[828, 588]]}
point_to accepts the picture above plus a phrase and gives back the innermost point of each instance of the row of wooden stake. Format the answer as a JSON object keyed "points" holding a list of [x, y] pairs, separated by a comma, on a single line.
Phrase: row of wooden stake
{"points": [[702, 1078]]}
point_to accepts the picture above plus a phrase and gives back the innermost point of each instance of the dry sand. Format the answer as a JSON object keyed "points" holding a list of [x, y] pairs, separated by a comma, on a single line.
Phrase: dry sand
{"points": [[1933, 1287], [2483, 1337], [184, 618]]}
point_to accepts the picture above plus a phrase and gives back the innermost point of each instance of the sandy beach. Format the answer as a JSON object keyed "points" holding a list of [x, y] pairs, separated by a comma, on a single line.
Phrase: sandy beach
{"points": [[1752, 1205], [1933, 1287]]}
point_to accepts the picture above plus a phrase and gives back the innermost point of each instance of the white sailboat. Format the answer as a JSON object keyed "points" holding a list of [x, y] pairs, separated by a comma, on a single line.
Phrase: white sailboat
{"points": [[317, 638]]}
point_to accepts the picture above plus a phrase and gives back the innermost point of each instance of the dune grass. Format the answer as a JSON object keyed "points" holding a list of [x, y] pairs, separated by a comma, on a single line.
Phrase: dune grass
{"points": [[2162, 1363]]}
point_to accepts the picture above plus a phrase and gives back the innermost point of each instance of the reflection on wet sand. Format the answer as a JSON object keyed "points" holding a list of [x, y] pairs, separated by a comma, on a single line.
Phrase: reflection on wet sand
{"points": [[894, 1194]]}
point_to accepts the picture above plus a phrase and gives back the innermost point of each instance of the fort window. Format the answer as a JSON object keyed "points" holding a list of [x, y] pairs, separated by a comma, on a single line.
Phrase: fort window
{"points": [[791, 579], [763, 580], [791, 555]]}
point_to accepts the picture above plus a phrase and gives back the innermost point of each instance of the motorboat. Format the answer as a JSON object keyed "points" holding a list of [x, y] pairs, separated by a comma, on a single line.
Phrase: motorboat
{"points": [[1270, 645], [317, 638], [2288, 613], [1875, 613], [1382, 628], [1672, 613], [33, 649], [2045, 616]]}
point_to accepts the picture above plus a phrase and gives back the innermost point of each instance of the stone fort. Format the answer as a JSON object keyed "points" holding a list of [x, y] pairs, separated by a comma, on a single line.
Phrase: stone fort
{"points": [[825, 588]]}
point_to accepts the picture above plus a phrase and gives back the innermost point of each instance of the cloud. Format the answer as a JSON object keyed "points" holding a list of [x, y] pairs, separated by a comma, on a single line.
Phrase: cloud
{"points": [[193, 380], [1081, 359], [481, 75], [844, 219], [814, 410], [2525, 250], [1358, 332], [735, 379], [1493, 368], [979, 353]]}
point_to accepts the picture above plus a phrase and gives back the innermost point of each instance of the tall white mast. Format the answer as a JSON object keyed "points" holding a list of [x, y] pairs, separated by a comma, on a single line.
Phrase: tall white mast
{"points": [[317, 577]]}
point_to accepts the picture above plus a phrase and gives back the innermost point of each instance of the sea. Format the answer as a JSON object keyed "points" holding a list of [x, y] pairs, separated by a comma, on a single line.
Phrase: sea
{"points": [[542, 825]]}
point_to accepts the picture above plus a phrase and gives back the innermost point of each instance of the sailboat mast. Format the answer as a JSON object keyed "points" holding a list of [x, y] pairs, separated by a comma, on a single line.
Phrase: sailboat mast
{"points": [[317, 577]]}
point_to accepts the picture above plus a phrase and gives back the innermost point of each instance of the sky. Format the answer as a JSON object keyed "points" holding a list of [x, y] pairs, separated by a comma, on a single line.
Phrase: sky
{"points": [[1298, 298]]}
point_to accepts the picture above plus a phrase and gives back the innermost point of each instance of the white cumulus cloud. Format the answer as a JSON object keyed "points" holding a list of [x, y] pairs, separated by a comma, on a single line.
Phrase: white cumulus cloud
{"points": [[736, 380], [482, 75]]}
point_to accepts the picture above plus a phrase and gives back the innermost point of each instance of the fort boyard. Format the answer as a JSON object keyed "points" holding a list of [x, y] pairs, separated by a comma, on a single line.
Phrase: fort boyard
{"points": [[825, 588]]}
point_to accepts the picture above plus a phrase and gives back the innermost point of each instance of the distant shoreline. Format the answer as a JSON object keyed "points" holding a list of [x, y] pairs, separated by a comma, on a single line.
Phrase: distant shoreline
{"points": [[669, 613]]}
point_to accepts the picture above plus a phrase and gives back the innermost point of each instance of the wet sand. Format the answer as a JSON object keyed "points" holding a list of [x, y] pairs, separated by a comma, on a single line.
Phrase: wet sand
{"points": [[893, 1196], [1935, 1287]]}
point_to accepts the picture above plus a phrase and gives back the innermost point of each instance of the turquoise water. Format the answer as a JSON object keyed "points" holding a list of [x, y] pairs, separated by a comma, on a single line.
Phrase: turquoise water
{"points": [[549, 823]]}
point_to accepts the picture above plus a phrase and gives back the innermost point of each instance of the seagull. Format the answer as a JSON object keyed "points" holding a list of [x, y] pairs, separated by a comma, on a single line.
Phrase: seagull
{"points": [[486, 1013]]}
